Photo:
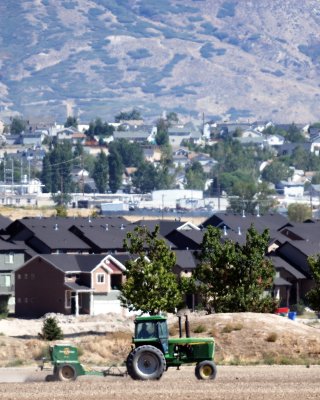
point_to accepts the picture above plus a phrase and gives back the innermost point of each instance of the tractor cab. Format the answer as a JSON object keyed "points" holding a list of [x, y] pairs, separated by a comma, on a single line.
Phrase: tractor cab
{"points": [[151, 330]]}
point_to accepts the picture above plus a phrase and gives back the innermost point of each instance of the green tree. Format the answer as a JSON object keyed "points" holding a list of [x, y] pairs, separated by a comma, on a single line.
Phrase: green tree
{"points": [[71, 122], [195, 177], [146, 178], [100, 172], [232, 277], [99, 128], [131, 153], [18, 125], [313, 296], [162, 136], [115, 170], [299, 212], [128, 115], [56, 171], [150, 286], [61, 211], [172, 118], [294, 134], [51, 330], [276, 172]]}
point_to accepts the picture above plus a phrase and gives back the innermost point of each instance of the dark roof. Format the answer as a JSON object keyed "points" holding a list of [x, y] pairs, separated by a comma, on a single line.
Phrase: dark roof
{"points": [[280, 263], [9, 246], [165, 226], [78, 288], [74, 262], [307, 231], [31, 223], [185, 259], [278, 281], [4, 222], [102, 238], [184, 239], [55, 237], [273, 222]]}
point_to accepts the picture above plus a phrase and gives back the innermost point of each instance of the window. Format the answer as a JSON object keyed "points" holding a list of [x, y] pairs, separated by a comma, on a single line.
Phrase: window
{"points": [[101, 278], [32, 276], [9, 258], [26, 300], [68, 298], [25, 276], [5, 280], [19, 276]]}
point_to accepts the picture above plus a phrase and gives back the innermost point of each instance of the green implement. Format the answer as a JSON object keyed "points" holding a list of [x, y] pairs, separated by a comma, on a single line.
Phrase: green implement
{"points": [[67, 367]]}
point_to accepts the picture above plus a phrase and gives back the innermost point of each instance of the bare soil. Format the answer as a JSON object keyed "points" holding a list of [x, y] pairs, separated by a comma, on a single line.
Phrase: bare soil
{"points": [[232, 383]]}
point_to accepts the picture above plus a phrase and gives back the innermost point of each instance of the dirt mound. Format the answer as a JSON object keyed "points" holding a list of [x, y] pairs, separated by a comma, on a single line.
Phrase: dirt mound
{"points": [[241, 338]]}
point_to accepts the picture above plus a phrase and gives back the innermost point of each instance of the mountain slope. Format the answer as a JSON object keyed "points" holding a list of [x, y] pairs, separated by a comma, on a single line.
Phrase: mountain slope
{"points": [[233, 59]]}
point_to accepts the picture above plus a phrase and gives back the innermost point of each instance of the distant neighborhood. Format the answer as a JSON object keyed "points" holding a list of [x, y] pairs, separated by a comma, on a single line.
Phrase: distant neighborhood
{"points": [[117, 166]]}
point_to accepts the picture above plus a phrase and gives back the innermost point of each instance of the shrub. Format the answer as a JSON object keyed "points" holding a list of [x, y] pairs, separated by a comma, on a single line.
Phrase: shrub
{"points": [[232, 327], [199, 329], [4, 306], [272, 337], [51, 330]]}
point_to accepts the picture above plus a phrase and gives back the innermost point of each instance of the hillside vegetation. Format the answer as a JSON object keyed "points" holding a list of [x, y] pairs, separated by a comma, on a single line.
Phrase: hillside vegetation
{"points": [[226, 58]]}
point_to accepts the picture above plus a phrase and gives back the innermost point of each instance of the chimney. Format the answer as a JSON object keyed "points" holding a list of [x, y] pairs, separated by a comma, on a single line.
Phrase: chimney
{"points": [[225, 233], [107, 227], [56, 228], [239, 231], [258, 211], [243, 214], [122, 227]]}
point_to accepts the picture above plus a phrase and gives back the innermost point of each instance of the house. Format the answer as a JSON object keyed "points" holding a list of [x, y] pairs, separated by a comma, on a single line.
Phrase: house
{"points": [[178, 134], [12, 256], [152, 154], [275, 140], [31, 138], [141, 134], [296, 254], [315, 145], [69, 284], [290, 189]]}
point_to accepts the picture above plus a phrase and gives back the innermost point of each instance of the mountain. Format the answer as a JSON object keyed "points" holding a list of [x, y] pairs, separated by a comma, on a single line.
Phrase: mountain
{"points": [[236, 60]]}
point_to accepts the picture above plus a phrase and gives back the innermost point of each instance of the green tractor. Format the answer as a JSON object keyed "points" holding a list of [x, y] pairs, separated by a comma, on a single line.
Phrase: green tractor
{"points": [[153, 352]]}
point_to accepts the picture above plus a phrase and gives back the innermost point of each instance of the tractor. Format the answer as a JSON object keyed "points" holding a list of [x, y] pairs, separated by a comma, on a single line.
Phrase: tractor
{"points": [[153, 352]]}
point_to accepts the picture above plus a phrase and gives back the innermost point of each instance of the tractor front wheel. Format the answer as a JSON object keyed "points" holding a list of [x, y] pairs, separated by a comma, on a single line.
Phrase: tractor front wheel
{"points": [[66, 373], [206, 370], [146, 363]]}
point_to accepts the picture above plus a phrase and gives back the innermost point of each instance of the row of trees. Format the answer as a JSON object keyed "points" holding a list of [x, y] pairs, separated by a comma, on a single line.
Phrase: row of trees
{"points": [[229, 277]]}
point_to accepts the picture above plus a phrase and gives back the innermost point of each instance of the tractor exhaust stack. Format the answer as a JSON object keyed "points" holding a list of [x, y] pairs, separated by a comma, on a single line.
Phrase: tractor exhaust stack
{"points": [[180, 326], [187, 326]]}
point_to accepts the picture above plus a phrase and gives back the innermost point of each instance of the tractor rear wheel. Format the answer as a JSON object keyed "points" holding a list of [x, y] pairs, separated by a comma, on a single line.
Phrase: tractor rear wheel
{"points": [[146, 363], [206, 370], [66, 373]]}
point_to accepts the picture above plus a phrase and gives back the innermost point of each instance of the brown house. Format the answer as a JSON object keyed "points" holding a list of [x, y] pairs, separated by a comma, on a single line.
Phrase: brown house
{"points": [[69, 284]]}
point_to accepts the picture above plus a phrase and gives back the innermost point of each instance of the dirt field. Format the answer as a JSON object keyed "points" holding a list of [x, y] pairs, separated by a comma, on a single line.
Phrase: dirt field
{"points": [[231, 383]]}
